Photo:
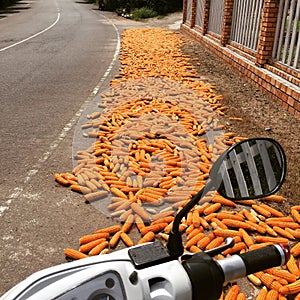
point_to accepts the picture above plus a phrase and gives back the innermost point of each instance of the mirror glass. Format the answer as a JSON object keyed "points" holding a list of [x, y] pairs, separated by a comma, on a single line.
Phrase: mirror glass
{"points": [[253, 168]]}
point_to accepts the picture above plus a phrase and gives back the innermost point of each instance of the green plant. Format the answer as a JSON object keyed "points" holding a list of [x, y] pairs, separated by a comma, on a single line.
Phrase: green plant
{"points": [[5, 3], [113, 5], [161, 7], [143, 13]]}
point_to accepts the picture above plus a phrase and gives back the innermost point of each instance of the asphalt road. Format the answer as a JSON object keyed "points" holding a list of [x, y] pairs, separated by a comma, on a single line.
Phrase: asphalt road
{"points": [[54, 56]]}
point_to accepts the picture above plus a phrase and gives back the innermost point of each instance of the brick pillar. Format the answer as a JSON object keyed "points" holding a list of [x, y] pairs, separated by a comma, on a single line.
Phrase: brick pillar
{"points": [[206, 16], [267, 31], [193, 16], [227, 21], [184, 9]]}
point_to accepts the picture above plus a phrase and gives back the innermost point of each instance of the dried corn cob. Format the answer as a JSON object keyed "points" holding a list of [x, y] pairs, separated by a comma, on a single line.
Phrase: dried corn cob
{"points": [[232, 293], [292, 266], [74, 254], [292, 288], [295, 250], [262, 294]]}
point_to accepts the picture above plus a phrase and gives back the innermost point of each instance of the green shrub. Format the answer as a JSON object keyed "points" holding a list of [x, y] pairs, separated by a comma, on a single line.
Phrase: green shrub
{"points": [[143, 13], [113, 5], [164, 6], [161, 7], [5, 3]]}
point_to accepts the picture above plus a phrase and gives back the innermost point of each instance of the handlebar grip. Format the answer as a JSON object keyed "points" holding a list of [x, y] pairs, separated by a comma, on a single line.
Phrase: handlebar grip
{"points": [[264, 258], [208, 275], [238, 266], [205, 275]]}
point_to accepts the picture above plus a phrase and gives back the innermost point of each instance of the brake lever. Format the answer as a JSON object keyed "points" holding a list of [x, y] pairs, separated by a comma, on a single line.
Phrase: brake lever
{"points": [[229, 243]]}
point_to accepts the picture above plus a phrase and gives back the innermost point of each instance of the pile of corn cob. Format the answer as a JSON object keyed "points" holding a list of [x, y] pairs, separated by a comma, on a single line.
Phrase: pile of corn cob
{"points": [[121, 167]]}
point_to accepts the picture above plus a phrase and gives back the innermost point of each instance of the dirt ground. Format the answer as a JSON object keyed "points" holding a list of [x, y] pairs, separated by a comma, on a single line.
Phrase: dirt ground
{"points": [[261, 116]]}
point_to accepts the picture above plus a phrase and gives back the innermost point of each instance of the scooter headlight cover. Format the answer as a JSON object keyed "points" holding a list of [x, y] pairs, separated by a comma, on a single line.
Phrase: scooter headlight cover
{"points": [[106, 286]]}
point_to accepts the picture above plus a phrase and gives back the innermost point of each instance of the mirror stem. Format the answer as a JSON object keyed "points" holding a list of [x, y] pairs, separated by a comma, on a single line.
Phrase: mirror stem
{"points": [[174, 245]]}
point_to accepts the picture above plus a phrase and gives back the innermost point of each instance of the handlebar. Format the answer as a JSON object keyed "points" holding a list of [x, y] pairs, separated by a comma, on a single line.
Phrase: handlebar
{"points": [[238, 266], [208, 276], [132, 274]]}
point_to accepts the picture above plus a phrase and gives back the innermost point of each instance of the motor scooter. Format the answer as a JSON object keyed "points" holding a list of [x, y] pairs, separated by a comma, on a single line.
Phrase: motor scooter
{"points": [[251, 169]]}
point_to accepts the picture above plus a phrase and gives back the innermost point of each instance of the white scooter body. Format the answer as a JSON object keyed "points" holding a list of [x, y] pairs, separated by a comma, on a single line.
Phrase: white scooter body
{"points": [[110, 276]]}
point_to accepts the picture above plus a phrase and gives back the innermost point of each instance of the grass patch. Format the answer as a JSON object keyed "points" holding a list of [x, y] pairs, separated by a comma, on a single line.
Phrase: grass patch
{"points": [[143, 13]]}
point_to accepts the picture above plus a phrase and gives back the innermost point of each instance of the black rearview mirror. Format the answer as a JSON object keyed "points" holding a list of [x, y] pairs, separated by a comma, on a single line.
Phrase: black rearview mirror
{"points": [[253, 168]]}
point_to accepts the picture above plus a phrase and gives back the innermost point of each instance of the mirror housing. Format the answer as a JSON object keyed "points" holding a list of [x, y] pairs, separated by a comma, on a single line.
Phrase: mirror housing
{"points": [[251, 169]]}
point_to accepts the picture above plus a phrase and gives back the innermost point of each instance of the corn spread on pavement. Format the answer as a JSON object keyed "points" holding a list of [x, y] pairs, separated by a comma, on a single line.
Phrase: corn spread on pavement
{"points": [[157, 85]]}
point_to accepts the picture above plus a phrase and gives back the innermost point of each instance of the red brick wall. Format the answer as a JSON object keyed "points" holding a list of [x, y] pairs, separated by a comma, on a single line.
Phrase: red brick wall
{"points": [[267, 31], [227, 19], [206, 15], [193, 18], [270, 77]]}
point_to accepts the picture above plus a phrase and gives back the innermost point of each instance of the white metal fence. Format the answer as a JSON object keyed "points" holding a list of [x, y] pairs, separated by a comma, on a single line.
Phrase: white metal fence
{"points": [[245, 27], [287, 42], [215, 22], [245, 22], [189, 10], [199, 13]]}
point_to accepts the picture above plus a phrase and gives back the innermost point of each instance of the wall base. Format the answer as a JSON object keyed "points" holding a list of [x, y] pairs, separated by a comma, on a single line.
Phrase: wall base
{"points": [[281, 89]]}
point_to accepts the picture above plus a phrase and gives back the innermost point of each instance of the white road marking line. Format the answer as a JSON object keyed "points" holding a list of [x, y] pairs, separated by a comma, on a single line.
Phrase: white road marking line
{"points": [[34, 35], [17, 192]]}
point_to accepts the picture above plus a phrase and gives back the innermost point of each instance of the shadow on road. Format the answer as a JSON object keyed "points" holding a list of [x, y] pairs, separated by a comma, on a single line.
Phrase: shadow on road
{"points": [[85, 2], [14, 9]]}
